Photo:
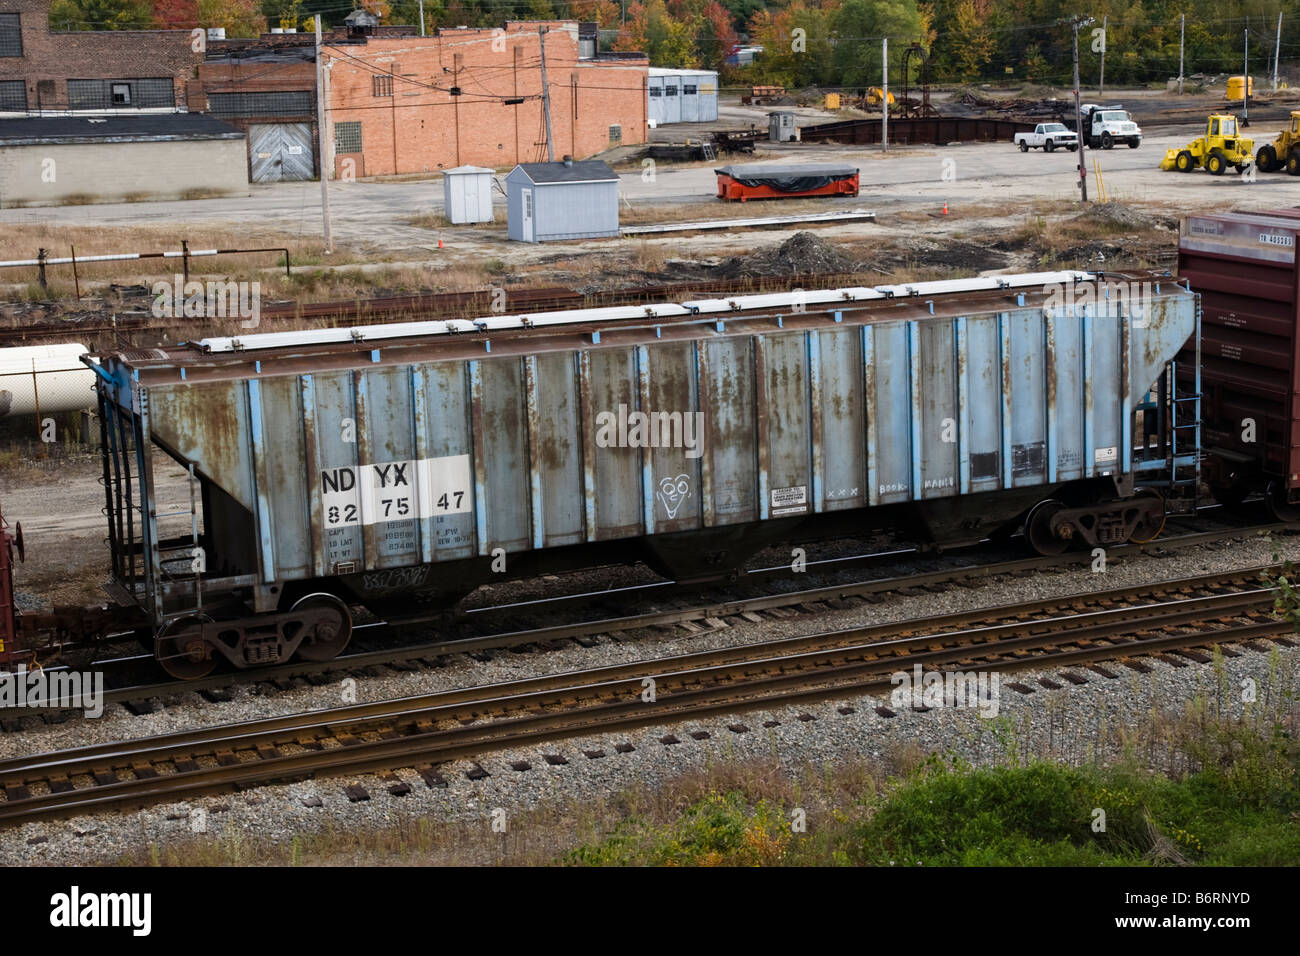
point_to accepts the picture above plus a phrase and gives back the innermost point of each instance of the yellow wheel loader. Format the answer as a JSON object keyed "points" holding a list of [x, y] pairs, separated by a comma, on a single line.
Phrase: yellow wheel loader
{"points": [[1283, 152], [1221, 146]]}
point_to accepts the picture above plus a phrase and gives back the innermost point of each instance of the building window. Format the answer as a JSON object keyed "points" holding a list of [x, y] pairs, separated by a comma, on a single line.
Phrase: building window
{"points": [[156, 92], [689, 90], [11, 35], [347, 137], [656, 91], [670, 91], [616, 133], [280, 103], [13, 96], [381, 86]]}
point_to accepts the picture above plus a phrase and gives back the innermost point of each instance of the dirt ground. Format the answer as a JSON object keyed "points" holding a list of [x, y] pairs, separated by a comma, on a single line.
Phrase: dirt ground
{"points": [[60, 505]]}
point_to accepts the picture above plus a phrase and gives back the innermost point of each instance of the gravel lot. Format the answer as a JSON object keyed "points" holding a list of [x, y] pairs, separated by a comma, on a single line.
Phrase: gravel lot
{"points": [[1072, 723]]}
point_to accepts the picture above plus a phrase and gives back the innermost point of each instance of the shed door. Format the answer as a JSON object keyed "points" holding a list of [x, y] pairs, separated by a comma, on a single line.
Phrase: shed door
{"points": [[672, 100], [526, 217], [280, 152]]}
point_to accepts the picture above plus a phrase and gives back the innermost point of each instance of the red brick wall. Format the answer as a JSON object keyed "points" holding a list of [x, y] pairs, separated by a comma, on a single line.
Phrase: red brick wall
{"points": [[252, 76], [423, 127], [106, 55]]}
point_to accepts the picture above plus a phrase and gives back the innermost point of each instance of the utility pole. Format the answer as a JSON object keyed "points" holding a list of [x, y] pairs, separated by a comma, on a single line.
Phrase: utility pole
{"points": [[884, 94], [421, 17], [546, 97], [1182, 23], [320, 142], [1245, 78], [1101, 80], [1277, 49], [1077, 22]]}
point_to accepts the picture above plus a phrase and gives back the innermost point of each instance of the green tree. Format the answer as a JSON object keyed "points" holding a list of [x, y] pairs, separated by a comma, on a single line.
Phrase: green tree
{"points": [[860, 25], [101, 15]]}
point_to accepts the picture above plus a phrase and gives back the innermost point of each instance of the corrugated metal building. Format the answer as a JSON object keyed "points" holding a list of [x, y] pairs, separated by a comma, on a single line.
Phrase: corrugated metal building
{"points": [[566, 200], [51, 160], [682, 96]]}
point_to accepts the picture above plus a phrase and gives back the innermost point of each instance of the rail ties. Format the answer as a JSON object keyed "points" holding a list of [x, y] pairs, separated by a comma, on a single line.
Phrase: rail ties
{"points": [[1174, 623]]}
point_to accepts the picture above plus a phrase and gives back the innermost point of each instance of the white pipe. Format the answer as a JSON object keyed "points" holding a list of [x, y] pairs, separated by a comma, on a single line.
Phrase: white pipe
{"points": [[65, 260]]}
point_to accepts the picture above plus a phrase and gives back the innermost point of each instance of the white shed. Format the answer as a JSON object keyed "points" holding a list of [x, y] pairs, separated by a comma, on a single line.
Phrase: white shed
{"points": [[565, 200], [467, 194]]}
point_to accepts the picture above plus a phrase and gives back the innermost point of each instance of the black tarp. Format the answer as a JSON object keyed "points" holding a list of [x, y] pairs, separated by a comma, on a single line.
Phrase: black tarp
{"points": [[788, 177]]}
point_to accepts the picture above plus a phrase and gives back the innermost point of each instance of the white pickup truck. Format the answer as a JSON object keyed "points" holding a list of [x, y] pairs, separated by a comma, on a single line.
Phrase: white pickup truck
{"points": [[1048, 136]]}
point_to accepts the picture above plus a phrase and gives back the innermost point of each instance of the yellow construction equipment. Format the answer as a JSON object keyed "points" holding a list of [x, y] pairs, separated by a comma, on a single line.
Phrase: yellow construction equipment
{"points": [[1237, 84], [875, 95], [1283, 152], [1219, 148]]}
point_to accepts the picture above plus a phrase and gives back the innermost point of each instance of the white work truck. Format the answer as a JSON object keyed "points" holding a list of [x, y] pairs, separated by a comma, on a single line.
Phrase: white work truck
{"points": [[1104, 126], [1048, 136]]}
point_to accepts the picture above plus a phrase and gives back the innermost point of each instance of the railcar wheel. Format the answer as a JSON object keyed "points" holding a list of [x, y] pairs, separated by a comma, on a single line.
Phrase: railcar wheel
{"points": [[325, 640], [1148, 528], [1038, 529], [1279, 507], [184, 656]]}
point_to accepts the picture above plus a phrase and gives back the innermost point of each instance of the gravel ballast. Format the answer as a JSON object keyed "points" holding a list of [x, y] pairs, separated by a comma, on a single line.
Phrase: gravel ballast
{"points": [[1070, 721]]}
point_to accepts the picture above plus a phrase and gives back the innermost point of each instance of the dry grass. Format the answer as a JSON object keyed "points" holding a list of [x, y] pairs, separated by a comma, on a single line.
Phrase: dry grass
{"points": [[644, 214], [23, 240]]}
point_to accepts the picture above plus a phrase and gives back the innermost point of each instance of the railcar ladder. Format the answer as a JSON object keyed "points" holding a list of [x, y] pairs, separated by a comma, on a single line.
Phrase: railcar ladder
{"points": [[181, 559], [1172, 464]]}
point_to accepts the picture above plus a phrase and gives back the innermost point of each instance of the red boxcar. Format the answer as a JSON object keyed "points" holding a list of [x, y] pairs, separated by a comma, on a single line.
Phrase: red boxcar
{"points": [[1244, 267], [786, 180]]}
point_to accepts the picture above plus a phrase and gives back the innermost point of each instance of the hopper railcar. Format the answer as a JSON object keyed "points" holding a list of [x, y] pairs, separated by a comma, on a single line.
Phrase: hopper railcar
{"points": [[401, 466]]}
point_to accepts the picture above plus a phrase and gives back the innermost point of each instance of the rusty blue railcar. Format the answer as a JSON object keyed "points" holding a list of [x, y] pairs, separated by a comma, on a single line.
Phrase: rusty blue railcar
{"points": [[398, 467]]}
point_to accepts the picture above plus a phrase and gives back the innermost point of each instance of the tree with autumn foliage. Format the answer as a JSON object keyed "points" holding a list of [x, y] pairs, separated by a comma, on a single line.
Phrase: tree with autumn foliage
{"points": [[651, 29], [606, 14]]}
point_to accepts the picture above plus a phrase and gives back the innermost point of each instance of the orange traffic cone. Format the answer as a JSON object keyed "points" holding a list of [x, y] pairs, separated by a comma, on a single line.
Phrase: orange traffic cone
{"points": [[440, 242], [945, 211]]}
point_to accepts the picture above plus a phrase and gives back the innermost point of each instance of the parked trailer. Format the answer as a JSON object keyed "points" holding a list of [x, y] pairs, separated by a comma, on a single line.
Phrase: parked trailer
{"points": [[1244, 267], [399, 467], [786, 180]]}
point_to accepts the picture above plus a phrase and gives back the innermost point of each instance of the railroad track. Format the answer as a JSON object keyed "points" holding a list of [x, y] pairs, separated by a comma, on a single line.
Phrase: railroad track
{"points": [[431, 305], [1187, 617], [143, 697]]}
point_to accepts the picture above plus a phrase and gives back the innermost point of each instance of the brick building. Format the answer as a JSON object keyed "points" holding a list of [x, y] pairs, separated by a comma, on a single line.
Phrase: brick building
{"points": [[110, 70], [474, 96], [268, 91]]}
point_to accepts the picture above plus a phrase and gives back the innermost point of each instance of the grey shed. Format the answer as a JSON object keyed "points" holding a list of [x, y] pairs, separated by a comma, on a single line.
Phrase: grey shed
{"points": [[567, 200]]}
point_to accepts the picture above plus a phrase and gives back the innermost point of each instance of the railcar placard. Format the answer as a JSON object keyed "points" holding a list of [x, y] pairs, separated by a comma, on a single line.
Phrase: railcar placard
{"points": [[395, 491]]}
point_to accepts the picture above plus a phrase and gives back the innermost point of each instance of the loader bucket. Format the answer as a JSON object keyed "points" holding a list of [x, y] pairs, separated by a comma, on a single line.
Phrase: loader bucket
{"points": [[1170, 156]]}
